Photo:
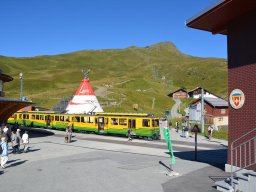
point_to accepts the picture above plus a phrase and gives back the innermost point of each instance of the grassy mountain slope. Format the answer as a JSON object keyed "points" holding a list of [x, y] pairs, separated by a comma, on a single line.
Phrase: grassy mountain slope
{"points": [[134, 75]]}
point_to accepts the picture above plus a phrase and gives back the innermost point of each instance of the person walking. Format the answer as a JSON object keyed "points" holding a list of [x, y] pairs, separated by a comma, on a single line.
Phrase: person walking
{"points": [[4, 155], [129, 134], [25, 141], [210, 131], [1, 130], [19, 139], [5, 129], [69, 134], [177, 126], [15, 142]]}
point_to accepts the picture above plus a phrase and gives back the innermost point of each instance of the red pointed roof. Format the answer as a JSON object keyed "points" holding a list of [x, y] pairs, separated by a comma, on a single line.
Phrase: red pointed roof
{"points": [[84, 88]]}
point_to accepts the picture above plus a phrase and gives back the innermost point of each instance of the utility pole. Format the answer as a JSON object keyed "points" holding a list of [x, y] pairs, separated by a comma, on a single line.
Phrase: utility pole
{"points": [[202, 110], [21, 76]]}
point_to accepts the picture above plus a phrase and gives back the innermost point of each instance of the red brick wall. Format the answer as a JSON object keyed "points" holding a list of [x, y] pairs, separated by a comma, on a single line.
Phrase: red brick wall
{"points": [[216, 112], [242, 75]]}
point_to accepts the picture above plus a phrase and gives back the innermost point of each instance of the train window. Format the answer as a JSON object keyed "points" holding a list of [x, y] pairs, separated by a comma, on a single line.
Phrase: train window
{"points": [[37, 117], [77, 119], [83, 119], [32, 116], [27, 116], [57, 118], [106, 120], [61, 118], [145, 123], [52, 118], [20, 116], [122, 121], [114, 121], [155, 123], [91, 120], [41, 117], [67, 118]]}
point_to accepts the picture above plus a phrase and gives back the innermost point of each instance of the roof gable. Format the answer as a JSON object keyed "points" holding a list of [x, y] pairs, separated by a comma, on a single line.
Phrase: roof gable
{"points": [[170, 94]]}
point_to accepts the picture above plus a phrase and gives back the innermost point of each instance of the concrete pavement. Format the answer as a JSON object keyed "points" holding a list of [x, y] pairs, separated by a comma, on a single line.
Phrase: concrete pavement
{"points": [[104, 163]]}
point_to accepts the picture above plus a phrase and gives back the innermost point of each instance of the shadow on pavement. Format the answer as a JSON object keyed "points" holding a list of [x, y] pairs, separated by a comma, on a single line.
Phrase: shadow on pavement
{"points": [[199, 180], [31, 150], [165, 166], [11, 161], [16, 164], [216, 158]]}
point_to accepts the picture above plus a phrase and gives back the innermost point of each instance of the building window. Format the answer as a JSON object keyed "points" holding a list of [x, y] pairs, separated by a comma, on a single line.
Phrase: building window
{"points": [[223, 111]]}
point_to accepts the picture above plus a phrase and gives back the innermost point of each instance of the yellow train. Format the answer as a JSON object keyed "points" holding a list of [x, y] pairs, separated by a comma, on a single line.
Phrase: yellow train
{"points": [[141, 124]]}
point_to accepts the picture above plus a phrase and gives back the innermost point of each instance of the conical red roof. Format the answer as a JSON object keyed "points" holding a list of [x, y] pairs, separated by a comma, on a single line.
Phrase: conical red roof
{"points": [[84, 88], [84, 101]]}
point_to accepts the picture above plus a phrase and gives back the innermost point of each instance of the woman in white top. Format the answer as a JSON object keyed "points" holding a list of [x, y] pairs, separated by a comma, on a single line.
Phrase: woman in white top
{"points": [[25, 141]]}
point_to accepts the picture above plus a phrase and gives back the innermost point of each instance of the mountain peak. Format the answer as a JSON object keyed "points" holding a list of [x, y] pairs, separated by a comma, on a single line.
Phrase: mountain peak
{"points": [[166, 45]]}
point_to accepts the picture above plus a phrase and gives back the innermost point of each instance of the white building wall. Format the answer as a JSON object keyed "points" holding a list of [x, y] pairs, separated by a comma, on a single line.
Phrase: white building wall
{"points": [[220, 121]]}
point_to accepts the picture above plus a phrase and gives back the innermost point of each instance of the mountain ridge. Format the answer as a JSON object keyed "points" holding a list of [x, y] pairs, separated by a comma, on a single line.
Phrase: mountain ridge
{"points": [[154, 71]]}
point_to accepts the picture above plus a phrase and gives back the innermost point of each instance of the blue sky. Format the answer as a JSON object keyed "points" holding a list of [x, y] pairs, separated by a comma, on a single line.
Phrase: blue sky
{"points": [[48, 27]]}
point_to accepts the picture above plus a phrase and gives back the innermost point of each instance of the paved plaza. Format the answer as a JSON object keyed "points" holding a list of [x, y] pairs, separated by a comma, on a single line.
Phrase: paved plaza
{"points": [[107, 163]]}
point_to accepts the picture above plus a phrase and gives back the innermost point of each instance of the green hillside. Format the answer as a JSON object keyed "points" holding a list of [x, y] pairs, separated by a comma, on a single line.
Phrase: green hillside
{"points": [[122, 77]]}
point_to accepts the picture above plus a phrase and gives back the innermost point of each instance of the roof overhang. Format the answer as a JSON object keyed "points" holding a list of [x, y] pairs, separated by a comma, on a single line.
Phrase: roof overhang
{"points": [[5, 78], [8, 107], [217, 18]]}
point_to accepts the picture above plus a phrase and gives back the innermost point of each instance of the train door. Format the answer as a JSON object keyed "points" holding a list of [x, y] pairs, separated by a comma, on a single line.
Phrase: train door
{"points": [[48, 120], [132, 126], [101, 124]]}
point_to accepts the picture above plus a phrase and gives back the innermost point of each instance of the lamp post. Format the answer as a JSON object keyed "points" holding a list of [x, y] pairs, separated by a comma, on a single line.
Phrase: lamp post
{"points": [[21, 76]]}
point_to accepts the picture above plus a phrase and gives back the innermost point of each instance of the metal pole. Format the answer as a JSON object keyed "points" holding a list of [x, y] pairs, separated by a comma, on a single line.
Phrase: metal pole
{"points": [[196, 146], [202, 110], [21, 75]]}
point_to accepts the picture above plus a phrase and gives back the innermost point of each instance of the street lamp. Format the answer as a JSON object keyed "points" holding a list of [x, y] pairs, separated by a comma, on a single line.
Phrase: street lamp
{"points": [[21, 76]]}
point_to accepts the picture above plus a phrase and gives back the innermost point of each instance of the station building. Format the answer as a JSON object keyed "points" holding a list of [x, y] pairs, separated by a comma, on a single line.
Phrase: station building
{"points": [[236, 19], [8, 106]]}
